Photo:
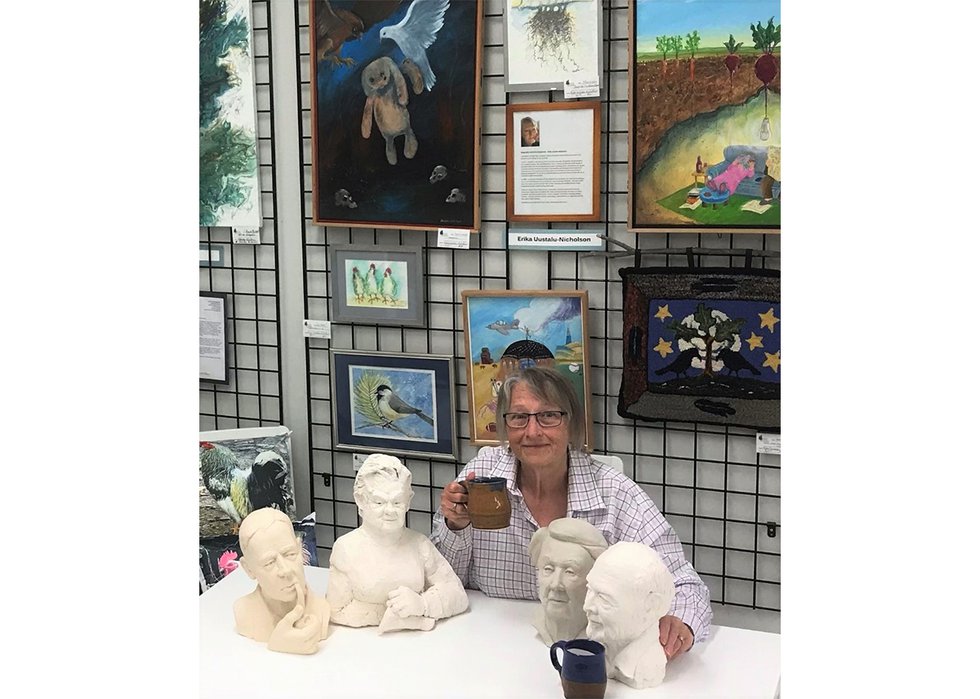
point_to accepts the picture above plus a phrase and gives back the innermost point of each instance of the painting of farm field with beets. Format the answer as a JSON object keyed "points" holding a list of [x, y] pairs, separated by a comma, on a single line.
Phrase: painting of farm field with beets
{"points": [[705, 115]]}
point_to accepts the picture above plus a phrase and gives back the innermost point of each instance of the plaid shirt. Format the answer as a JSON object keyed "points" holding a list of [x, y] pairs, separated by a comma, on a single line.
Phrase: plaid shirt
{"points": [[498, 563]]}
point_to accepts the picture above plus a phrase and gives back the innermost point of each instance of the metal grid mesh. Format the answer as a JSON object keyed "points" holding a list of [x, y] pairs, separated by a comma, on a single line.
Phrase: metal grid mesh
{"points": [[249, 276], [720, 496]]}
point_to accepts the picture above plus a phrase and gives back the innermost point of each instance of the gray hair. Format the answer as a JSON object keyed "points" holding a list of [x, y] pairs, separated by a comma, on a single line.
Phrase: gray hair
{"points": [[381, 466], [550, 386], [574, 531]]}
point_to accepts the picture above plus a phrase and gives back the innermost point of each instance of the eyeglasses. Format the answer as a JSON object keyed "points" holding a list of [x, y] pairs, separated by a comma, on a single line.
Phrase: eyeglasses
{"points": [[546, 418]]}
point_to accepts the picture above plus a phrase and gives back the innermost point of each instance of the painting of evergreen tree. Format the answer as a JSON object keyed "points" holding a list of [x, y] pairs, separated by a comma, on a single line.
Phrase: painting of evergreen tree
{"points": [[229, 177]]}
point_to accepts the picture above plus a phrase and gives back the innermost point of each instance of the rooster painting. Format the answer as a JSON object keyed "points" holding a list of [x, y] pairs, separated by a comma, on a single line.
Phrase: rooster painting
{"points": [[240, 486]]}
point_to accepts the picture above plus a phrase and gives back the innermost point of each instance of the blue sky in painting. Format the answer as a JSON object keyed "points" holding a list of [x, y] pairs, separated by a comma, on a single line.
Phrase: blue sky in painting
{"points": [[714, 19]]}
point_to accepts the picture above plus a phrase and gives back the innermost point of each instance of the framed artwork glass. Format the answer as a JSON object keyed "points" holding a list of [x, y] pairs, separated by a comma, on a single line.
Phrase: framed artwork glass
{"points": [[548, 43], [395, 90], [394, 403], [507, 330], [214, 340], [371, 285], [553, 161], [704, 105], [229, 171]]}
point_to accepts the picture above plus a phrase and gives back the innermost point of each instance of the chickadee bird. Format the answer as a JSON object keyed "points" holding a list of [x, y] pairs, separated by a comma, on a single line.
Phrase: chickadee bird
{"points": [[392, 408]]}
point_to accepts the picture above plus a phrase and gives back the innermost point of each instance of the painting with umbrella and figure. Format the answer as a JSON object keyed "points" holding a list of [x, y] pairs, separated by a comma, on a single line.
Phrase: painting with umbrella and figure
{"points": [[395, 403]]}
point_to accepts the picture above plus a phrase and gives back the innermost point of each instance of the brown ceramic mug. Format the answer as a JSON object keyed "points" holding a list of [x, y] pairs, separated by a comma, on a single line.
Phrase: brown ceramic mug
{"points": [[488, 503]]}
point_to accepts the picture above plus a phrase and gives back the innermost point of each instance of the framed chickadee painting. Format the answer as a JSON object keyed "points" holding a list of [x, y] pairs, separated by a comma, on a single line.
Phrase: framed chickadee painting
{"points": [[394, 403], [395, 108]]}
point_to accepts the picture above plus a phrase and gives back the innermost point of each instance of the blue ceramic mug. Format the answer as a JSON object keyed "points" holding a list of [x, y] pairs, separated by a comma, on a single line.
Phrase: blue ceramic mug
{"points": [[582, 669]]}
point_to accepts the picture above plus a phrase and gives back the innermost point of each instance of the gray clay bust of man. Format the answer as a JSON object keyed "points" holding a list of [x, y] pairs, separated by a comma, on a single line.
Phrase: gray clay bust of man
{"points": [[384, 574], [629, 590], [563, 554], [281, 611]]}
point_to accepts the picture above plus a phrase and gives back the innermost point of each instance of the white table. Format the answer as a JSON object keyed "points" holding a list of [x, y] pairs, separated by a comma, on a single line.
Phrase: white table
{"points": [[489, 651]]}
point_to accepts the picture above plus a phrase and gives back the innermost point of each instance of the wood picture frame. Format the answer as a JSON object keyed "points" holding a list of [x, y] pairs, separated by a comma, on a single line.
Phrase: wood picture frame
{"points": [[213, 334], [396, 145], [508, 329], [416, 416], [369, 284], [553, 161], [546, 44], [704, 112]]}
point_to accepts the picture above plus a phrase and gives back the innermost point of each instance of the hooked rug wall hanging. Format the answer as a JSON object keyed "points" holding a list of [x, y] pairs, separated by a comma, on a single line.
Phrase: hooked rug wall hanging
{"points": [[701, 345]]}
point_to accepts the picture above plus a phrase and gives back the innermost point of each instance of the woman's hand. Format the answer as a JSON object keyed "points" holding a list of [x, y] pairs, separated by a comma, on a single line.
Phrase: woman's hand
{"points": [[675, 636], [453, 504]]}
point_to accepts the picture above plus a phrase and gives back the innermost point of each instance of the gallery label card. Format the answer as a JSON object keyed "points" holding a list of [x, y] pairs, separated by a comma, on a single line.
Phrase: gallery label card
{"points": [[453, 238], [245, 236], [766, 443], [553, 239], [588, 87], [316, 328]]}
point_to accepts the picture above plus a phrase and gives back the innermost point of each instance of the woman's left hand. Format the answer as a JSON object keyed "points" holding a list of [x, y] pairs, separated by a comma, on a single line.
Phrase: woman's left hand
{"points": [[675, 636]]}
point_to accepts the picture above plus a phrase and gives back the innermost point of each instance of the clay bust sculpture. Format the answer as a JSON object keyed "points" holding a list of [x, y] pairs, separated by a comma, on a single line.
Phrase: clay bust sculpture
{"points": [[629, 590], [563, 553], [281, 611], [382, 573]]}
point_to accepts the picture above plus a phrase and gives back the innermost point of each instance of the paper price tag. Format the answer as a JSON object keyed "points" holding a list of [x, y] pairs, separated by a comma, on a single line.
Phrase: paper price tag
{"points": [[766, 443], [453, 238], [245, 236], [587, 87], [316, 328]]}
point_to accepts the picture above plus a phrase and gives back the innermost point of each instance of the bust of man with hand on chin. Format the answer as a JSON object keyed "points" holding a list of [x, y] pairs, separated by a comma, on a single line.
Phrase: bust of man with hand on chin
{"points": [[281, 611]]}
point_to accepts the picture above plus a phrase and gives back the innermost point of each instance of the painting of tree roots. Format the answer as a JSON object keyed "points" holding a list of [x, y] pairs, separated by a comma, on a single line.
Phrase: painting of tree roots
{"points": [[701, 345], [395, 112], [229, 174], [705, 115]]}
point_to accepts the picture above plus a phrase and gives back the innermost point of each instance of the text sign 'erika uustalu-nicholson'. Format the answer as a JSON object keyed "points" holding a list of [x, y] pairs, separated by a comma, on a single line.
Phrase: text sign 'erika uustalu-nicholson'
{"points": [[553, 239]]}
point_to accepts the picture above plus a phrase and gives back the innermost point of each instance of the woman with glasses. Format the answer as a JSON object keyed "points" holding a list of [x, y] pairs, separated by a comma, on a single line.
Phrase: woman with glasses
{"points": [[550, 476]]}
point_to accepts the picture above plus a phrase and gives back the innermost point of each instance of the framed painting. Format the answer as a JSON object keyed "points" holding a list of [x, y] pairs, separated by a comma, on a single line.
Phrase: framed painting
{"points": [[553, 161], [213, 338], [371, 285], [507, 330], [701, 345], [229, 172], [704, 104], [395, 89], [548, 43], [394, 403]]}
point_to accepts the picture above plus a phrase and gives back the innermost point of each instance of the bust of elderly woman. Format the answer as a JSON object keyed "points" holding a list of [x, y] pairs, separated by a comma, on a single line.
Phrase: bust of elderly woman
{"points": [[281, 611], [382, 573], [563, 554], [629, 590]]}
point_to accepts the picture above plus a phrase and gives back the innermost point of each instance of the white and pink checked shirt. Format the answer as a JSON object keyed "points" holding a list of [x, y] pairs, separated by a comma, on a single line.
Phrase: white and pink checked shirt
{"points": [[498, 563]]}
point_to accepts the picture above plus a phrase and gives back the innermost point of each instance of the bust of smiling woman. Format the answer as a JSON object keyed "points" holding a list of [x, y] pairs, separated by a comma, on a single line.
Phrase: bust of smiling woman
{"points": [[382, 573], [563, 554], [281, 611]]}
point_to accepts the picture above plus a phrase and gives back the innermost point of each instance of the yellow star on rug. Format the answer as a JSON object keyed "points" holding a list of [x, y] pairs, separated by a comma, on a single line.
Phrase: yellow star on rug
{"points": [[754, 342], [768, 320], [663, 347], [663, 312], [772, 361]]}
